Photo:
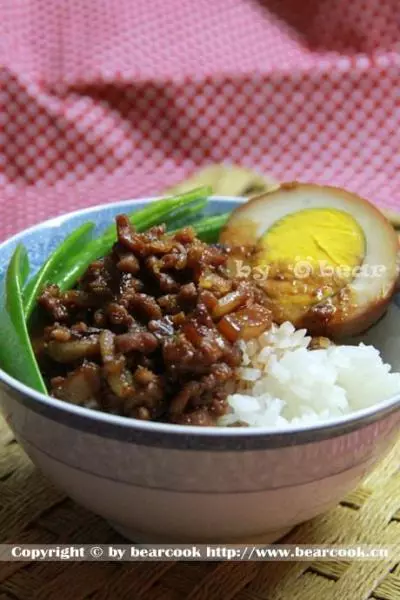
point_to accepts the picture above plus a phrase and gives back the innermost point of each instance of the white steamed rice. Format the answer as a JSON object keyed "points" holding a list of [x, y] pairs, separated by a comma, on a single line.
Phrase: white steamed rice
{"points": [[281, 383]]}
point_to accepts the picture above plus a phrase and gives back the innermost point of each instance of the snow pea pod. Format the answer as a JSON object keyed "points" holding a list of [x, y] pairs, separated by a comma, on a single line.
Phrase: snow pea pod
{"points": [[160, 210], [16, 353], [48, 272], [165, 210], [209, 228]]}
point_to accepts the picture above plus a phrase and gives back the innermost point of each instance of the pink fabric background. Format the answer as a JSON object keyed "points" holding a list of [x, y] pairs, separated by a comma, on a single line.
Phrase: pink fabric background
{"points": [[102, 100]]}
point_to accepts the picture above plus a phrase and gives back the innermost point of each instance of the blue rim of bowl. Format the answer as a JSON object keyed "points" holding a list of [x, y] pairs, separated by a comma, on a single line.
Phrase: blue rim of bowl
{"points": [[171, 436]]}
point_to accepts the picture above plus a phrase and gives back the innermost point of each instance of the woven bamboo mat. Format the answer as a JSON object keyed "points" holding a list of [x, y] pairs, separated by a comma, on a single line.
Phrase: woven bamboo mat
{"points": [[33, 511]]}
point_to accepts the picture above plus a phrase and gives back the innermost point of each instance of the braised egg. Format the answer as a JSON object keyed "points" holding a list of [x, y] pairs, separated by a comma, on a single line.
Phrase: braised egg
{"points": [[326, 258]]}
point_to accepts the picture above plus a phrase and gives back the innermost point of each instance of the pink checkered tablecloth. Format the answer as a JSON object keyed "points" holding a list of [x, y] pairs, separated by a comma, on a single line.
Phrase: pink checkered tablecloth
{"points": [[108, 99]]}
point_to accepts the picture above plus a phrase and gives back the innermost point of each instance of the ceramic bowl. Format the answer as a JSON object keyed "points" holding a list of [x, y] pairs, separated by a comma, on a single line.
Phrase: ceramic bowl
{"points": [[167, 483]]}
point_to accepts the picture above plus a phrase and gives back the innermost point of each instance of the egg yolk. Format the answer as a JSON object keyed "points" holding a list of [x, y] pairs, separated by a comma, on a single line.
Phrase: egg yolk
{"points": [[310, 255], [322, 236]]}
